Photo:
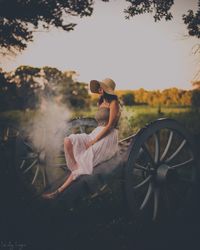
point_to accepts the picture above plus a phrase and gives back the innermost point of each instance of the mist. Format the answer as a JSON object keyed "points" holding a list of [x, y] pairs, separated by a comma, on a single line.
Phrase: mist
{"points": [[46, 132]]}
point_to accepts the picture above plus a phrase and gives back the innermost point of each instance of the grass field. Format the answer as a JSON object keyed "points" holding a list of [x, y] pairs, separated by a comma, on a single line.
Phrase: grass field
{"points": [[135, 117], [132, 118]]}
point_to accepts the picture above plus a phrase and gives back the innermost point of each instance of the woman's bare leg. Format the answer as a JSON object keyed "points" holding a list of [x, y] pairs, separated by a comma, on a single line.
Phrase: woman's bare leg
{"points": [[66, 183], [69, 154], [52, 195]]}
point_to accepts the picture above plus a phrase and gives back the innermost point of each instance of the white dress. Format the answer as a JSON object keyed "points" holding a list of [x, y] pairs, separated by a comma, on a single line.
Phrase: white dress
{"points": [[102, 150]]}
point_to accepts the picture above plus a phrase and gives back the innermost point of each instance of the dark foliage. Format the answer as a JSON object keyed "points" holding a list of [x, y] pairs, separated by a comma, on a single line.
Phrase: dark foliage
{"points": [[128, 99], [196, 99], [192, 20], [27, 86], [160, 8], [20, 18]]}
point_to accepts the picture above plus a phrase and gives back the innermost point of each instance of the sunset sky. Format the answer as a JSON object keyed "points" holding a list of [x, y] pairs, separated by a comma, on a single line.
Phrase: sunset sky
{"points": [[135, 53]]}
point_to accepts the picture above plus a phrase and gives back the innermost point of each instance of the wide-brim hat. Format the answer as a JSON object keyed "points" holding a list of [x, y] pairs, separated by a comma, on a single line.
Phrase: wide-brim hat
{"points": [[108, 85]]}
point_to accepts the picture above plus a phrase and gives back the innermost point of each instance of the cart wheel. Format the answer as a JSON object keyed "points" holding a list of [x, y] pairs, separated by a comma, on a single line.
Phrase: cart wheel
{"points": [[30, 161], [161, 171], [40, 166]]}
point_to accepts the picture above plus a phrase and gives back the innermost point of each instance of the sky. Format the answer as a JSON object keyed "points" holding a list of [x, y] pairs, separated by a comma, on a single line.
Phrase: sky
{"points": [[135, 53]]}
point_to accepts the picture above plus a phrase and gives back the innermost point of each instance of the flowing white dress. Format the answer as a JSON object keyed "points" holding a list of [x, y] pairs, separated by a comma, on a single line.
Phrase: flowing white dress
{"points": [[87, 159]]}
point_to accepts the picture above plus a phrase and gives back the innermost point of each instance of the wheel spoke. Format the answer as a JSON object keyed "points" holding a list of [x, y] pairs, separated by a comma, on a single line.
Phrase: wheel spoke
{"points": [[167, 146], [32, 164], [143, 182], [156, 200], [29, 146], [138, 166], [7, 132], [141, 151], [22, 164], [44, 177], [157, 147], [183, 164], [176, 152], [36, 174], [148, 154], [30, 156], [147, 197]]}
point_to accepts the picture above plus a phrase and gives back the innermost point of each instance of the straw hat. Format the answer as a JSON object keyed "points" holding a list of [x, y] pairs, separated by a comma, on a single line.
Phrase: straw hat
{"points": [[108, 85]]}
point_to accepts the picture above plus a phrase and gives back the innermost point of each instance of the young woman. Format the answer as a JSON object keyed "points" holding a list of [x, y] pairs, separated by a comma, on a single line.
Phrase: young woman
{"points": [[84, 151]]}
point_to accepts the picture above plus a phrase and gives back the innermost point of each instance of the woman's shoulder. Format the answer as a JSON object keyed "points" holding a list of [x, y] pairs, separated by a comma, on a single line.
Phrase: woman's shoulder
{"points": [[116, 103]]}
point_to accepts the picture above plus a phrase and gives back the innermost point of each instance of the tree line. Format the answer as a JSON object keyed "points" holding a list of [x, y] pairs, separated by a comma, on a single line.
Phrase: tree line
{"points": [[26, 87], [19, 19], [167, 97]]}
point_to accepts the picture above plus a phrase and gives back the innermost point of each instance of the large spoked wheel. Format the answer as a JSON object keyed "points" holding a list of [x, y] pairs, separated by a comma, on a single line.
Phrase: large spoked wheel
{"points": [[161, 171], [40, 165]]}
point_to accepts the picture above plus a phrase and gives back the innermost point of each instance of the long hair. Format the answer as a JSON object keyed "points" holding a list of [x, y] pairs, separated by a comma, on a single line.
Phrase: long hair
{"points": [[108, 98]]}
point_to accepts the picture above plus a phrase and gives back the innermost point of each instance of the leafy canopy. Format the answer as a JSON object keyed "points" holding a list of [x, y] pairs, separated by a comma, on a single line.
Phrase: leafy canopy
{"points": [[19, 19]]}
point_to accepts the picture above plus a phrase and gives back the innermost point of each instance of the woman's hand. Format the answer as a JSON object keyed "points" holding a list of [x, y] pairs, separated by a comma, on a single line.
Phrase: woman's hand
{"points": [[52, 195], [90, 143]]}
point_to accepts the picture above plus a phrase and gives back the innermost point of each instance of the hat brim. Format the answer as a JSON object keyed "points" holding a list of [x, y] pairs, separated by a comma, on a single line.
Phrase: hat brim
{"points": [[107, 89], [94, 87]]}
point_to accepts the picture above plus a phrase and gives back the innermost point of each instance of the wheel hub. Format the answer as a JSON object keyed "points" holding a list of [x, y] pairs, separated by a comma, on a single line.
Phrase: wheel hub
{"points": [[162, 174]]}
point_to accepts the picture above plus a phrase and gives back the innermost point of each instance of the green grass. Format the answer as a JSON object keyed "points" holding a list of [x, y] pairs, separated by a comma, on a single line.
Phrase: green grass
{"points": [[139, 116], [132, 118]]}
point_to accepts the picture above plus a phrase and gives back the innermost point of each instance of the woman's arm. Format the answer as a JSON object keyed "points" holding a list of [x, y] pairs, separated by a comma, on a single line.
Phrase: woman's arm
{"points": [[114, 109]]}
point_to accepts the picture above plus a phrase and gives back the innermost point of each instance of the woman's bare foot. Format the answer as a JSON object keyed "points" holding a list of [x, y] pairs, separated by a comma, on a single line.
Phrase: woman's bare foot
{"points": [[51, 195], [54, 194]]}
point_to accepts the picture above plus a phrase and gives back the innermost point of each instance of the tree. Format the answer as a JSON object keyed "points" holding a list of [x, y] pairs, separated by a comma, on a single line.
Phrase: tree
{"points": [[28, 84], [128, 99], [20, 18], [161, 9], [192, 20], [196, 99], [8, 92], [53, 81], [79, 95]]}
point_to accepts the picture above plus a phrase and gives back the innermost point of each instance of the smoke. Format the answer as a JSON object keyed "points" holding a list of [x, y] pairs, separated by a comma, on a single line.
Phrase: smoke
{"points": [[46, 133], [49, 126]]}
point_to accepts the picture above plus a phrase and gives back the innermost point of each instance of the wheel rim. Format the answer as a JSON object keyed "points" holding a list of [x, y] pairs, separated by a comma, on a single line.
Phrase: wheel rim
{"points": [[161, 169], [7, 133]]}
